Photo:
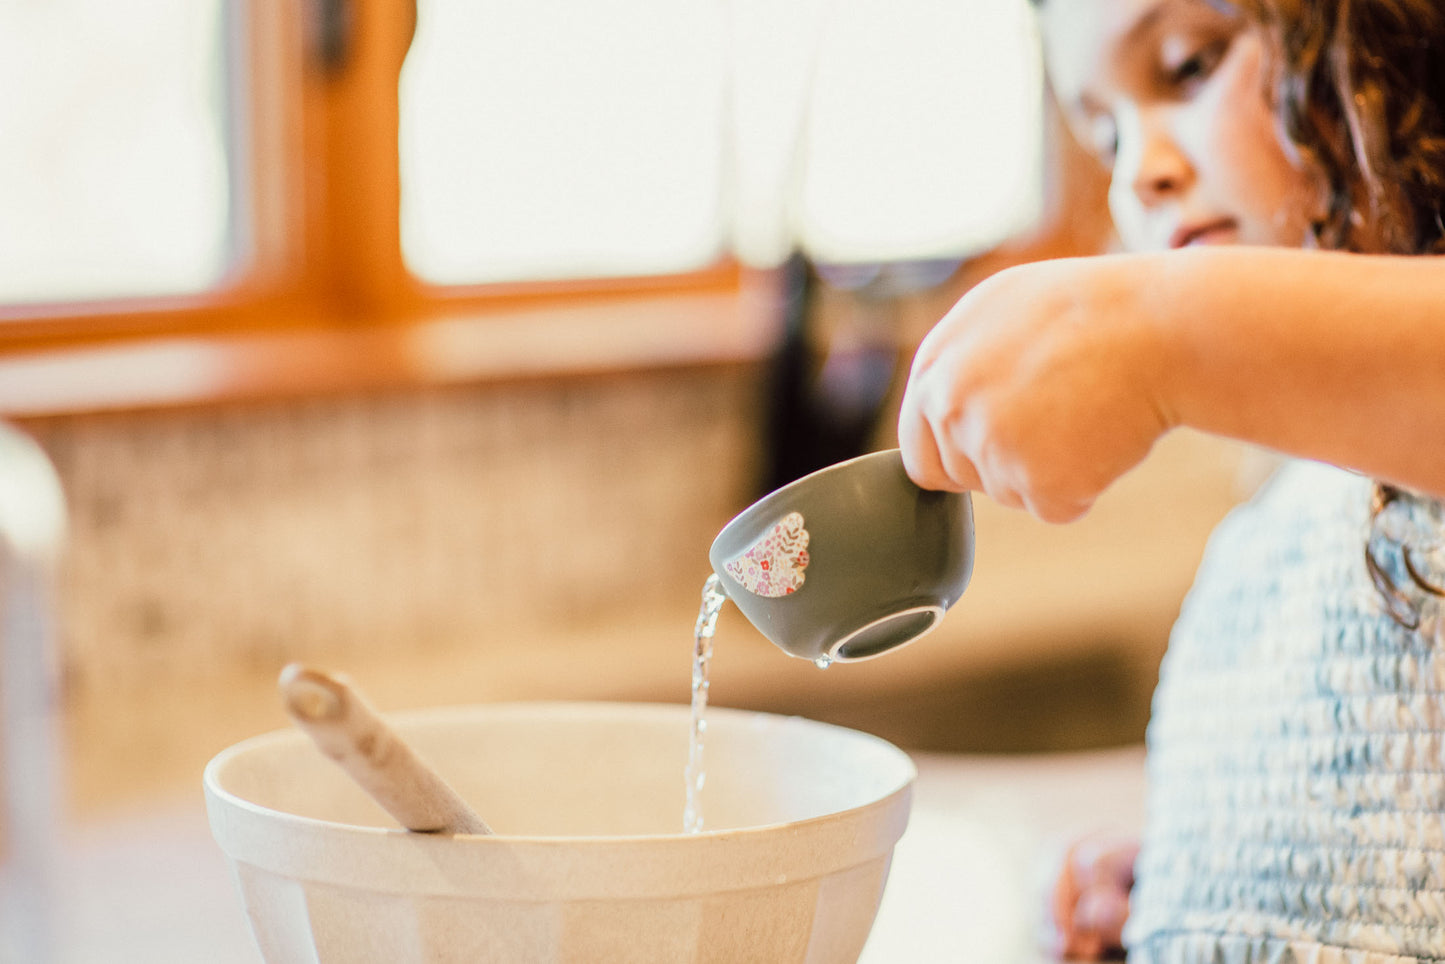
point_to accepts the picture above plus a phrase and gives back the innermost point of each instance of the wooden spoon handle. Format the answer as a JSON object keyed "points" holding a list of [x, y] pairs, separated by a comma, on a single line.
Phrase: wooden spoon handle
{"points": [[348, 730]]}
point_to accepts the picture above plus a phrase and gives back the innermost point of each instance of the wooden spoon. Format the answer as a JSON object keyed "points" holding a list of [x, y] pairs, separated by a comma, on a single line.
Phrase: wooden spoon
{"points": [[348, 730]]}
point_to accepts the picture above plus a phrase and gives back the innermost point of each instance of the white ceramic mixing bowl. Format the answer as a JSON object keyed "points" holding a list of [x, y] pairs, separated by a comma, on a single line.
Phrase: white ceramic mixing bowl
{"points": [[589, 862]]}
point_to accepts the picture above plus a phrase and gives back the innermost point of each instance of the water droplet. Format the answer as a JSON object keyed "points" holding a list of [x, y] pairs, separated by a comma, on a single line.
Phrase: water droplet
{"points": [[823, 662]]}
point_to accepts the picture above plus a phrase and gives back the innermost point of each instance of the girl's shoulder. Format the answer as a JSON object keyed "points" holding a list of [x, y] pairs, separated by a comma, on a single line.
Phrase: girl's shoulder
{"points": [[1300, 503], [1299, 545]]}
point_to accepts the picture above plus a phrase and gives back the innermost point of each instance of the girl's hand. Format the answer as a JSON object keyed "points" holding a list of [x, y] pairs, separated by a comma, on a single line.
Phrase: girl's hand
{"points": [[1040, 387], [1090, 900]]}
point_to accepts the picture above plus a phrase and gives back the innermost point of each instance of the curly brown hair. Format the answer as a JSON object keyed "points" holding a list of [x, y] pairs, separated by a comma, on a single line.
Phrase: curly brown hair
{"points": [[1358, 87]]}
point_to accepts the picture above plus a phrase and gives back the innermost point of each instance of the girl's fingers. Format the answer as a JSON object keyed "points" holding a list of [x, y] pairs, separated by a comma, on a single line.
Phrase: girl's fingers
{"points": [[1062, 901], [961, 471], [1099, 919], [1090, 900], [1004, 495], [928, 464], [1104, 860]]}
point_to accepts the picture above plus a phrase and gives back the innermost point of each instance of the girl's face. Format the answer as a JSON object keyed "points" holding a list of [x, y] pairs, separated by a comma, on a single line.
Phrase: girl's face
{"points": [[1171, 95]]}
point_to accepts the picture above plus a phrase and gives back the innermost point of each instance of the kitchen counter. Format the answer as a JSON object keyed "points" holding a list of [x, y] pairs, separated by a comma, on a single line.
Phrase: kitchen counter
{"points": [[151, 886], [969, 875]]}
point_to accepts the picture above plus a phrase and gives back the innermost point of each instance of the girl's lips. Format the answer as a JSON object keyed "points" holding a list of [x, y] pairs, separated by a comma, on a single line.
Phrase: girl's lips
{"points": [[1211, 232]]}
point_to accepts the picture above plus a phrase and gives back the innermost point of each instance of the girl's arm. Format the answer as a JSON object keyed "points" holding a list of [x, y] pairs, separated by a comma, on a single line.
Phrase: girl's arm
{"points": [[1048, 381]]}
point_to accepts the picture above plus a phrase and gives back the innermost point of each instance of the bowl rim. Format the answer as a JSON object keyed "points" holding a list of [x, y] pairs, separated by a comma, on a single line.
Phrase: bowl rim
{"points": [[211, 776], [283, 842]]}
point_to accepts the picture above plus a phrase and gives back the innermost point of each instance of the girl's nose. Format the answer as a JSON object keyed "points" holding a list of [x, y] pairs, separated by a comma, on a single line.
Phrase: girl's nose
{"points": [[1161, 170]]}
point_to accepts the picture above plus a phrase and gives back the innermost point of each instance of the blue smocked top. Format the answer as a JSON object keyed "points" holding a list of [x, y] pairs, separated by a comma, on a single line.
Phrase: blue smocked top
{"points": [[1297, 744]]}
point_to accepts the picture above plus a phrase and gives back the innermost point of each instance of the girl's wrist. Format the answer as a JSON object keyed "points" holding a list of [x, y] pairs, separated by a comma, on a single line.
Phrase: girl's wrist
{"points": [[1177, 292], [1144, 304]]}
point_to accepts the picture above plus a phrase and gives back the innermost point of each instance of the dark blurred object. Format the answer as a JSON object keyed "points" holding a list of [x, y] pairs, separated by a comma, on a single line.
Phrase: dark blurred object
{"points": [[1094, 698], [827, 392], [329, 26]]}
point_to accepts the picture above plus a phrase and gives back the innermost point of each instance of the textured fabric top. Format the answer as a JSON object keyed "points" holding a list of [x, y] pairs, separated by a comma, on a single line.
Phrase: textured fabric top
{"points": [[1297, 743]]}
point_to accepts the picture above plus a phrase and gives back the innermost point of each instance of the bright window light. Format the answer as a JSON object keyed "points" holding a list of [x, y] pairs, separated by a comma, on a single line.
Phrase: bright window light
{"points": [[553, 139], [113, 166], [550, 138], [923, 137]]}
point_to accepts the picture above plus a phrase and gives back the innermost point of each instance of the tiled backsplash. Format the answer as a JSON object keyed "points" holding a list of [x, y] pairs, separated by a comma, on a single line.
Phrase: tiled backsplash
{"points": [[211, 540]]}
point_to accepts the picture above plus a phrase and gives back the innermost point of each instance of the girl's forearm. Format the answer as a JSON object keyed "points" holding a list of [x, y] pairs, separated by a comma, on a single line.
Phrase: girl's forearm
{"points": [[1322, 355]]}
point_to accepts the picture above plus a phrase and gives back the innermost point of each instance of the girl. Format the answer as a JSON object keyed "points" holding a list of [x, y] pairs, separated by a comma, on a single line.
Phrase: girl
{"points": [[1272, 160]]}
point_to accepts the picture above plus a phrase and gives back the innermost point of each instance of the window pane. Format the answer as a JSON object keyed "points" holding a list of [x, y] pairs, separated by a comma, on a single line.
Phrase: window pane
{"points": [[558, 139], [113, 172], [551, 138], [924, 136]]}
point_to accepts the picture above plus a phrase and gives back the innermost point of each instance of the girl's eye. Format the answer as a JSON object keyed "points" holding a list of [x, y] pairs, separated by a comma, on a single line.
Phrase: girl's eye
{"points": [[1192, 70], [1103, 138]]}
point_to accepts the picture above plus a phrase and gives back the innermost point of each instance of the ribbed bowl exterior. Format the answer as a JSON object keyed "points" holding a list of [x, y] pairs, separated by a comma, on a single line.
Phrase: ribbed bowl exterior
{"points": [[822, 920], [802, 890]]}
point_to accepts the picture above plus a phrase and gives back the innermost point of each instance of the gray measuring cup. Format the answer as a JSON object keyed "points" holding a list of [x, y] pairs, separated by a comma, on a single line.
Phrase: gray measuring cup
{"points": [[849, 562]]}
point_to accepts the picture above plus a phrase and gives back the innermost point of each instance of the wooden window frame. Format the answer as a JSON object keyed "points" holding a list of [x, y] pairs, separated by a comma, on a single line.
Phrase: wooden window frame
{"points": [[322, 299]]}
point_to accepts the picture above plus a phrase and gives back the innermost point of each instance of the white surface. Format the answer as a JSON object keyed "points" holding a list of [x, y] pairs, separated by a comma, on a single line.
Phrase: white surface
{"points": [[970, 874], [965, 885], [145, 887]]}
